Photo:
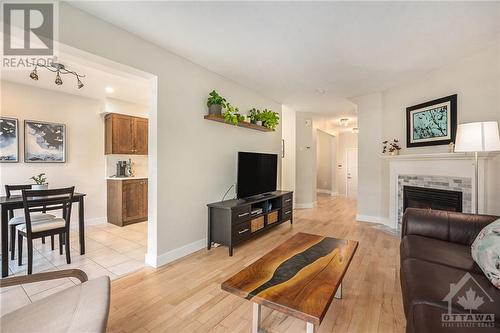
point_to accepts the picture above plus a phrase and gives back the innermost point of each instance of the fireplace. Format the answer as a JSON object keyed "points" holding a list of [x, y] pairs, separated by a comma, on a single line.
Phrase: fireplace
{"points": [[431, 198]]}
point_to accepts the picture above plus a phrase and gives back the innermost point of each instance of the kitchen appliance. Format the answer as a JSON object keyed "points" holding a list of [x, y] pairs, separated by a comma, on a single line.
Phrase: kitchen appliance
{"points": [[121, 168]]}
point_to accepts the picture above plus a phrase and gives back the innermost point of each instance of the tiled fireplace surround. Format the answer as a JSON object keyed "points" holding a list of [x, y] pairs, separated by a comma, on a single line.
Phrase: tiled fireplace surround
{"points": [[459, 184], [444, 171]]}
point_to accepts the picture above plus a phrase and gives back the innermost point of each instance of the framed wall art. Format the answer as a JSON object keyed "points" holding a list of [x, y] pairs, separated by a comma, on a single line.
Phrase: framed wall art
{"points": [[432, 123], [44, 142], [9, 140]]}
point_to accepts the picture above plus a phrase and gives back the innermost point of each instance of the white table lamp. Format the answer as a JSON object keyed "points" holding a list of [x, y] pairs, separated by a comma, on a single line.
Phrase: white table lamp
{"points": [[477, 137]]}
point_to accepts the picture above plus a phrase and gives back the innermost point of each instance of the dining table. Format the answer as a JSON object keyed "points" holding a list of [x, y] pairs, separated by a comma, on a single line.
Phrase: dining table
{"points": [[16, 202]]}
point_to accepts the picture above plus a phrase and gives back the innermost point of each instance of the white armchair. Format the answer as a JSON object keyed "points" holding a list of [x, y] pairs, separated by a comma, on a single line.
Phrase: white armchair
{"points": [[82, 308]]}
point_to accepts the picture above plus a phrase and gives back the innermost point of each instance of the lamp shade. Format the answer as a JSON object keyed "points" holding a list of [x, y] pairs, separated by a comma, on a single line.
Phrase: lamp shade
{"points": [[477, 137]]}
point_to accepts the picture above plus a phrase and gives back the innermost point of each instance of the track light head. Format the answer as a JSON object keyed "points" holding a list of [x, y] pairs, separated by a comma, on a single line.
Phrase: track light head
{"points": [[79, 83], [58, 80], [34, 75]]}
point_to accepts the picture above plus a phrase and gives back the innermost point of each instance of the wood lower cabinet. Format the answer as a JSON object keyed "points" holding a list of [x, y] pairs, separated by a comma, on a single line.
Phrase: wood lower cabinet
{"points": [[127, 201], [125, 134]]}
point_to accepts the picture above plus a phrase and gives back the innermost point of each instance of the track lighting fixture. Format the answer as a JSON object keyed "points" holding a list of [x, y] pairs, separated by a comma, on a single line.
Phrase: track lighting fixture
{"points": [[79, 83], [58, 69], [34, 74], [58, 80], [344, 122]]}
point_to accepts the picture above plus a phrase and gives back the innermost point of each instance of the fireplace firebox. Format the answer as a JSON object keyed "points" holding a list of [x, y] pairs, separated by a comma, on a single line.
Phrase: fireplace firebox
{"points": [[431, 198]]}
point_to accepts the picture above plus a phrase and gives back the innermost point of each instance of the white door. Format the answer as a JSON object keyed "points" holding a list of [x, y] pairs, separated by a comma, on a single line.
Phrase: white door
{"points": [[352, 173]]}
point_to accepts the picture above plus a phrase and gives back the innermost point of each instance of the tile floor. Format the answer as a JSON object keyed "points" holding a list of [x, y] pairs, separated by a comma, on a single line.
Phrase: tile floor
{"points": [[110, 250]]}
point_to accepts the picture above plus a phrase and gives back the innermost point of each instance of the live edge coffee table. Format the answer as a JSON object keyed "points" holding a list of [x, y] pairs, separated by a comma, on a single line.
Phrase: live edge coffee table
{"points": [[299, 278]]}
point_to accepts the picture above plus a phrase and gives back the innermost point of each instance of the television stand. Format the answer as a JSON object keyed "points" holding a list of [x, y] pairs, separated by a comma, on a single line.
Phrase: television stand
{"points": [[232, 222]]}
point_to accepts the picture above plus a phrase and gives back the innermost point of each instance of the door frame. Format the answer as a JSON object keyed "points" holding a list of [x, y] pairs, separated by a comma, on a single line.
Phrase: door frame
{"points": [[347, 169]]}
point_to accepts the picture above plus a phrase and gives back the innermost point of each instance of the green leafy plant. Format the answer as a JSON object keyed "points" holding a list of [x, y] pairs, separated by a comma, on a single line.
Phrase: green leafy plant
{"points": [[215, 99], [40, 179], [231, 115], [254, 115], [270, 119]]}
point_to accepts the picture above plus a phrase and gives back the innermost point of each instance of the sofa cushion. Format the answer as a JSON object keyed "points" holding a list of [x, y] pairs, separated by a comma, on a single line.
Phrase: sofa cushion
{"points": [[486, 252], [438, 251], [427, 319], [429, 283], [82, 308]]}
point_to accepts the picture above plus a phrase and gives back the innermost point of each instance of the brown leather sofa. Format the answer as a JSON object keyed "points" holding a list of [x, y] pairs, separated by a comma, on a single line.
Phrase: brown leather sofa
{"points": [[435, 252]]}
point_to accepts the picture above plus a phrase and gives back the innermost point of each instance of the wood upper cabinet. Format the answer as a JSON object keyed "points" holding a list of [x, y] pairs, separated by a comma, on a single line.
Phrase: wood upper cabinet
{"points": [[127, 201], [141, 136], [126, 135]]}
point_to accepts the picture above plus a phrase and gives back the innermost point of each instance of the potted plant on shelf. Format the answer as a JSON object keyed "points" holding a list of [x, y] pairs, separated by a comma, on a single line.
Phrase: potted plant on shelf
{"points": [[269, 118], [40, 182], [231, 114], [392, 147], [254, 115], [215, 103]]}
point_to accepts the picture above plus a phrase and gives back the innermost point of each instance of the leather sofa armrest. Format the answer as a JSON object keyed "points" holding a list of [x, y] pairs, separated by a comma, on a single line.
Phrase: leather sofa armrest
{"points": [[448, 226]]}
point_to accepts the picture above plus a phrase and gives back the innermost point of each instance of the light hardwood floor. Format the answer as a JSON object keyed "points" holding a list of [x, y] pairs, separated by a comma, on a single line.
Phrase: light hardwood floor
{"points": [[186, 297]]}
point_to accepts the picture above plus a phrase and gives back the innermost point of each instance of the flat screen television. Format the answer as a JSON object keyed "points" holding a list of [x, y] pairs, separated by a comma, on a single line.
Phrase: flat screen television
{"points": [[257, 174]]}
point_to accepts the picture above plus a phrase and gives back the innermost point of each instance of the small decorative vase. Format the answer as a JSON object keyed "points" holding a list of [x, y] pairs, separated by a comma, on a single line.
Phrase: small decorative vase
{"points": [[215, 109], [258, 122], [451, 147], [39, 187], [394, 153]]}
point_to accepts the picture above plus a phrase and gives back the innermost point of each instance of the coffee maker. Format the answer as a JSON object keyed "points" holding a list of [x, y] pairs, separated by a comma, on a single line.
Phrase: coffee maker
{"points": [[121, 169]]}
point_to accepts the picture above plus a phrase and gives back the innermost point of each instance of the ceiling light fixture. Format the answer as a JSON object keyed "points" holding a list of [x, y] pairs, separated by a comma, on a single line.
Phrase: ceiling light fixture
{"points": [[34, 74], [58, 80], [58, 69], [109, 90], [344, 122], [355, 130]]}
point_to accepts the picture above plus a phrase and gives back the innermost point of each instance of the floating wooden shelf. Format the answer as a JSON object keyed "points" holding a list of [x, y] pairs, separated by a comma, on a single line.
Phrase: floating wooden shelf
{"points": [[220, 119]]}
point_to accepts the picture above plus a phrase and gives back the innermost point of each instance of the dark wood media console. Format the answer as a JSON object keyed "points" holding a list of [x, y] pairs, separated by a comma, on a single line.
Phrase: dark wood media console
{"points": [[234, 221]]}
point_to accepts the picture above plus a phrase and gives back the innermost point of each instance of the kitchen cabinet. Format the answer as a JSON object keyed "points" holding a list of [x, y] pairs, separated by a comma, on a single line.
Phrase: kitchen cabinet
{"points": [[127, 201], [125, 134]]}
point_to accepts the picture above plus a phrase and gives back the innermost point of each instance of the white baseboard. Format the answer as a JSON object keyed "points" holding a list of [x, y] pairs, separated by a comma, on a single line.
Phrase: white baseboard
{"points": [[97, 220], [324, 191], [175, 254], [373, 219], [88, 222], [305, 205]]}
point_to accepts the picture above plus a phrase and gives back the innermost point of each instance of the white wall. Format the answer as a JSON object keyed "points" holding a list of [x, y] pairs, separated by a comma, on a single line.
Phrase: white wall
{"points": [[369, 163], [113, 105], [288, 132], [84, 167], [196, 158], [305, 183], [476, 80], [324, 161], [345, 141]]}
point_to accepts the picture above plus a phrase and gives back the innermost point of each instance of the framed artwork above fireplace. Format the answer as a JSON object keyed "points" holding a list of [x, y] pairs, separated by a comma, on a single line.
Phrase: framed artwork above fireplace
{"points": [[432, 123]]}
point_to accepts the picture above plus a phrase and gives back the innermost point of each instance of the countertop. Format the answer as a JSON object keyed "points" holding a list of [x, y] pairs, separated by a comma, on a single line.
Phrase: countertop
{"points": [[125, 178]]}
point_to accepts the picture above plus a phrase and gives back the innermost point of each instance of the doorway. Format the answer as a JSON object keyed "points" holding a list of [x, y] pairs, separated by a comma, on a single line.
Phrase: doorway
{"points": [[352, 172]]}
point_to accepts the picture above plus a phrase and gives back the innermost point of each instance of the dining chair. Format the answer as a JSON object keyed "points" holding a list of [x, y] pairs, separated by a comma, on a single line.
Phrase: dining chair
{"points": [[15, 221], [35, 201]]}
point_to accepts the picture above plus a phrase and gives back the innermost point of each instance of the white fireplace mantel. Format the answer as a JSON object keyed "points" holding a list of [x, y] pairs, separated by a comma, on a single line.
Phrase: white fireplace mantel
{"points": [[439, 156], [459, 165]]}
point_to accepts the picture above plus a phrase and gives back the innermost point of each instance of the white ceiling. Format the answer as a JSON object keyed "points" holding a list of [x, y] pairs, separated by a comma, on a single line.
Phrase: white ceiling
{"points": [[290, 50], [126, 87]]}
